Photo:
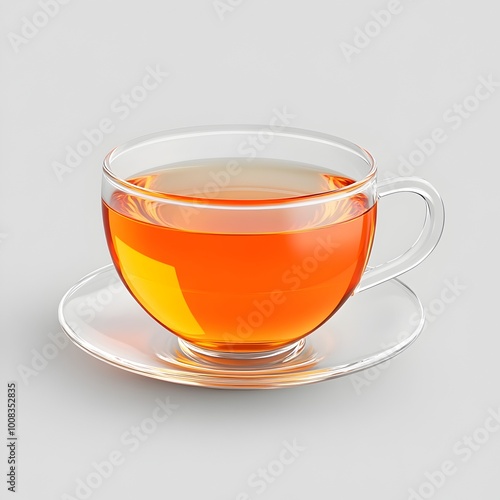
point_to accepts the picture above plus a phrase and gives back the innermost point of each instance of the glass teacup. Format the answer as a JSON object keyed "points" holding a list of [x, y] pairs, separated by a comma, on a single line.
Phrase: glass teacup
{"points": [[243, 240]]}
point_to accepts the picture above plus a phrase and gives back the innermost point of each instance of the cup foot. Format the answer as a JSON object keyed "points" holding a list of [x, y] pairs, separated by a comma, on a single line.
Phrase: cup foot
{"points": [[273, 357]]}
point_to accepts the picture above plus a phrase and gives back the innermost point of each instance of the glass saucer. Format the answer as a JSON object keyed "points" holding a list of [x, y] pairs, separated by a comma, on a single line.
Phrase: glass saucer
{"points": [[101, 317]]}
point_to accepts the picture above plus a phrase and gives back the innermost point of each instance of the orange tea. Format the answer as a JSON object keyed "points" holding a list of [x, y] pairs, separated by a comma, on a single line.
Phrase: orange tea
{"points": [[227, 278]]}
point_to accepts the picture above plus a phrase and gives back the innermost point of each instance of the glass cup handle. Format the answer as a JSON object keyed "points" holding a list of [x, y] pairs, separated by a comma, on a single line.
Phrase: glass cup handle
{"points": [[425, 243]]}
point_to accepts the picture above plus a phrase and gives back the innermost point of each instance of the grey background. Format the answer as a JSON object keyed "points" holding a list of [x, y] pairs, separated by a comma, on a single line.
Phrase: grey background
{"points": [[377, 440]]}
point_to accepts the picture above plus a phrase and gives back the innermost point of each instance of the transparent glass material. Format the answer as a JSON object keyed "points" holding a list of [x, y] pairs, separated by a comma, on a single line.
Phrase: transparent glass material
{"points": [[372, 327], [241, 240], [246, 252]]}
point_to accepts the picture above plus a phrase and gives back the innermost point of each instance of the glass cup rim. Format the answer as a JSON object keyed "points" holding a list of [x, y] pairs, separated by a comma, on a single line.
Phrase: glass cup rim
{"points": [[192, 201]]}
